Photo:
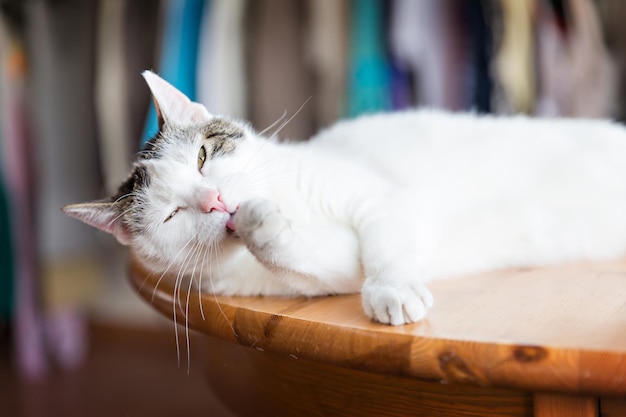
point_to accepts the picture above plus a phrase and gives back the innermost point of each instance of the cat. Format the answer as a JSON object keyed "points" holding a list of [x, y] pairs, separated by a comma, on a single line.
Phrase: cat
{"points": [[379, 204]]}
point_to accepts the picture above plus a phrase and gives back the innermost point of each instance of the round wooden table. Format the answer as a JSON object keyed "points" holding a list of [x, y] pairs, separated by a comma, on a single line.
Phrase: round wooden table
{"points": [[544, 342]]}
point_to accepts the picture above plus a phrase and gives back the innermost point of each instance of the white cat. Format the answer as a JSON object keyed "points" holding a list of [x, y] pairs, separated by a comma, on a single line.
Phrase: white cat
{"points": [[380, 204]]}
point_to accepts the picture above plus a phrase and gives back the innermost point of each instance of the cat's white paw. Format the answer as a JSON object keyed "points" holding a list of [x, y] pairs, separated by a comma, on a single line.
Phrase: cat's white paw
{"points": [[396, 304], [260, 223]]}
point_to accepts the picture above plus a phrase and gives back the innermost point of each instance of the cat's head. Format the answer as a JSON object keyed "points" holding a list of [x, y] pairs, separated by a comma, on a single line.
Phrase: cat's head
{"points": [[184, 186]]}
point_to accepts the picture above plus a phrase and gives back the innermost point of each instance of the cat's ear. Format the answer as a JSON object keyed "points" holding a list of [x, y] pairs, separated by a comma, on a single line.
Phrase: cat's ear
{"points": [[102, 215], [173, 107]]}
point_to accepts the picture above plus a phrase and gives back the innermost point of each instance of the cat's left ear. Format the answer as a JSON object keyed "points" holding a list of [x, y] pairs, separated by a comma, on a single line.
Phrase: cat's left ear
{"points": [[173, 107], [103, 215]]}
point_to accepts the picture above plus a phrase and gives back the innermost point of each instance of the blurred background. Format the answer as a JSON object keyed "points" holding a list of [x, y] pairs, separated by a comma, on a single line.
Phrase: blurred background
{"points": [[74, 338]]}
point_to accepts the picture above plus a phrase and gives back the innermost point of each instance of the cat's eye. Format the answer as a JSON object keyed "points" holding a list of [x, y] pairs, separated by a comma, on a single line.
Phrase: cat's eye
{"points": [[201, 157], [172, 214]]}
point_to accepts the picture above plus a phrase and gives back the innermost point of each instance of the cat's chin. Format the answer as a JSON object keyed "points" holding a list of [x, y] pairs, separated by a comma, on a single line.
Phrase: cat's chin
{"points": [[229, 237]]}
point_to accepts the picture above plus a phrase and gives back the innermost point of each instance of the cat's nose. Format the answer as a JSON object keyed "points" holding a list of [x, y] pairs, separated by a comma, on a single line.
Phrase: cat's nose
{"points": [[211, 201]]}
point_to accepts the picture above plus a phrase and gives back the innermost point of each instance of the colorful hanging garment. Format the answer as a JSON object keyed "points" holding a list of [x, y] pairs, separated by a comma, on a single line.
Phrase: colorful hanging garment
{"points": [[279, 76], [179, 50], [424, 39], [221, 77], [515, 64], [111, 95], [481, 84], [369, 84], [328, 54], [7, 276], [27, 318], [578, 76]]}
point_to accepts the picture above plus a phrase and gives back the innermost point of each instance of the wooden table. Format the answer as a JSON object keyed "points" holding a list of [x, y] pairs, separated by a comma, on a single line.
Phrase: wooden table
{"points": [[544, 342]]}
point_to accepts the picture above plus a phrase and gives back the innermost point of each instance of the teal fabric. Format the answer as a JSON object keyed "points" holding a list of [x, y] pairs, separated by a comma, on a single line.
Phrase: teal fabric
{"points": [[6, 257], [179, 52], [369, 84]]}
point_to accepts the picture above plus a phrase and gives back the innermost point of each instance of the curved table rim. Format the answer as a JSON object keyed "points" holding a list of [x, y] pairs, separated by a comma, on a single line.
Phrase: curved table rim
{"points": [[334, 330]]}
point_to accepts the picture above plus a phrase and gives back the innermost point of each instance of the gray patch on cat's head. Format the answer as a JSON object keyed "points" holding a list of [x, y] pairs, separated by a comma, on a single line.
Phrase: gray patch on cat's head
{"points": [[220, 133], [219, 136], [128, 196]]}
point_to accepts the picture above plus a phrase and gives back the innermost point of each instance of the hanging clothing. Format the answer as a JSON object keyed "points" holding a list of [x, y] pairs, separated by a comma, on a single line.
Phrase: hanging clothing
{"points": [[369, 85], [112, 96], [481, 84], [17, 166], [7, 275], [515, 64], [61, 69], [140, 29], [279, 80], [611, 14], [577, 74], [179, 51], [327, 57], [7, 255], [221, 77], [425, 38], [402, 89]]}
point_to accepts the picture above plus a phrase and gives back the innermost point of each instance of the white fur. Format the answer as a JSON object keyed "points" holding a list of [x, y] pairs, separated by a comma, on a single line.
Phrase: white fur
{"points": [[385, 203]]}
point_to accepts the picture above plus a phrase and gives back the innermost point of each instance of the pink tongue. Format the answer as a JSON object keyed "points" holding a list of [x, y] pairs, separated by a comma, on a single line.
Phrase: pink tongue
{"points": [[230, 224]]}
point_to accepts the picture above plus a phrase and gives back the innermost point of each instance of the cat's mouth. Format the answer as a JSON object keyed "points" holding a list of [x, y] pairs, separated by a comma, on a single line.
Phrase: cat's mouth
{"points": [[230, 224]]}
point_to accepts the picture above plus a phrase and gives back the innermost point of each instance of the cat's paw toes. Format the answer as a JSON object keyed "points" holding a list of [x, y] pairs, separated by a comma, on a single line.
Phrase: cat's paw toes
{"points": [[260, 222], [396, 304]]}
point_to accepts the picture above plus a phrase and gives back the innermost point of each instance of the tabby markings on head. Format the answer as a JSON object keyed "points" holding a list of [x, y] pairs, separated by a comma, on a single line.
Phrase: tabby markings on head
{"points": [[128, 193], [221, 134]]}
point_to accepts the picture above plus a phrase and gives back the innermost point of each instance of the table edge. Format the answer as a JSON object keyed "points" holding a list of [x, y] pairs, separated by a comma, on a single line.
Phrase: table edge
{"points": [[379, 349]]}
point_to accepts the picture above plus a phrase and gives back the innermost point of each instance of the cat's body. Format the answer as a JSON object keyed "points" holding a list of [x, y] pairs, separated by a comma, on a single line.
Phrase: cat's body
{"points": [[380, 204]]}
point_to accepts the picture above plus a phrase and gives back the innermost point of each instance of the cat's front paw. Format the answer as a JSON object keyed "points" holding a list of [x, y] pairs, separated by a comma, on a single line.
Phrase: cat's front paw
{"points": [[396, 304], [260, 224]]}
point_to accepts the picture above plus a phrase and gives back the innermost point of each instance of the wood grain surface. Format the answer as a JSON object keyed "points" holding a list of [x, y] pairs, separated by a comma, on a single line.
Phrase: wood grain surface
{"points": [[553, 405], [262, 383], [554, 329]]}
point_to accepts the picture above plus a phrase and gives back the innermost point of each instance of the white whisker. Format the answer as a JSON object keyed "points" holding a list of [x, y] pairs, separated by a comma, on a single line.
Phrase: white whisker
{"points": [[282, 116], [183, 270], [170, 265], [125, 196], [203, 255], [187, 326], [286, 122], [215, 249], [110, 223], [196, 252], [176, 296], [281, 127]]}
